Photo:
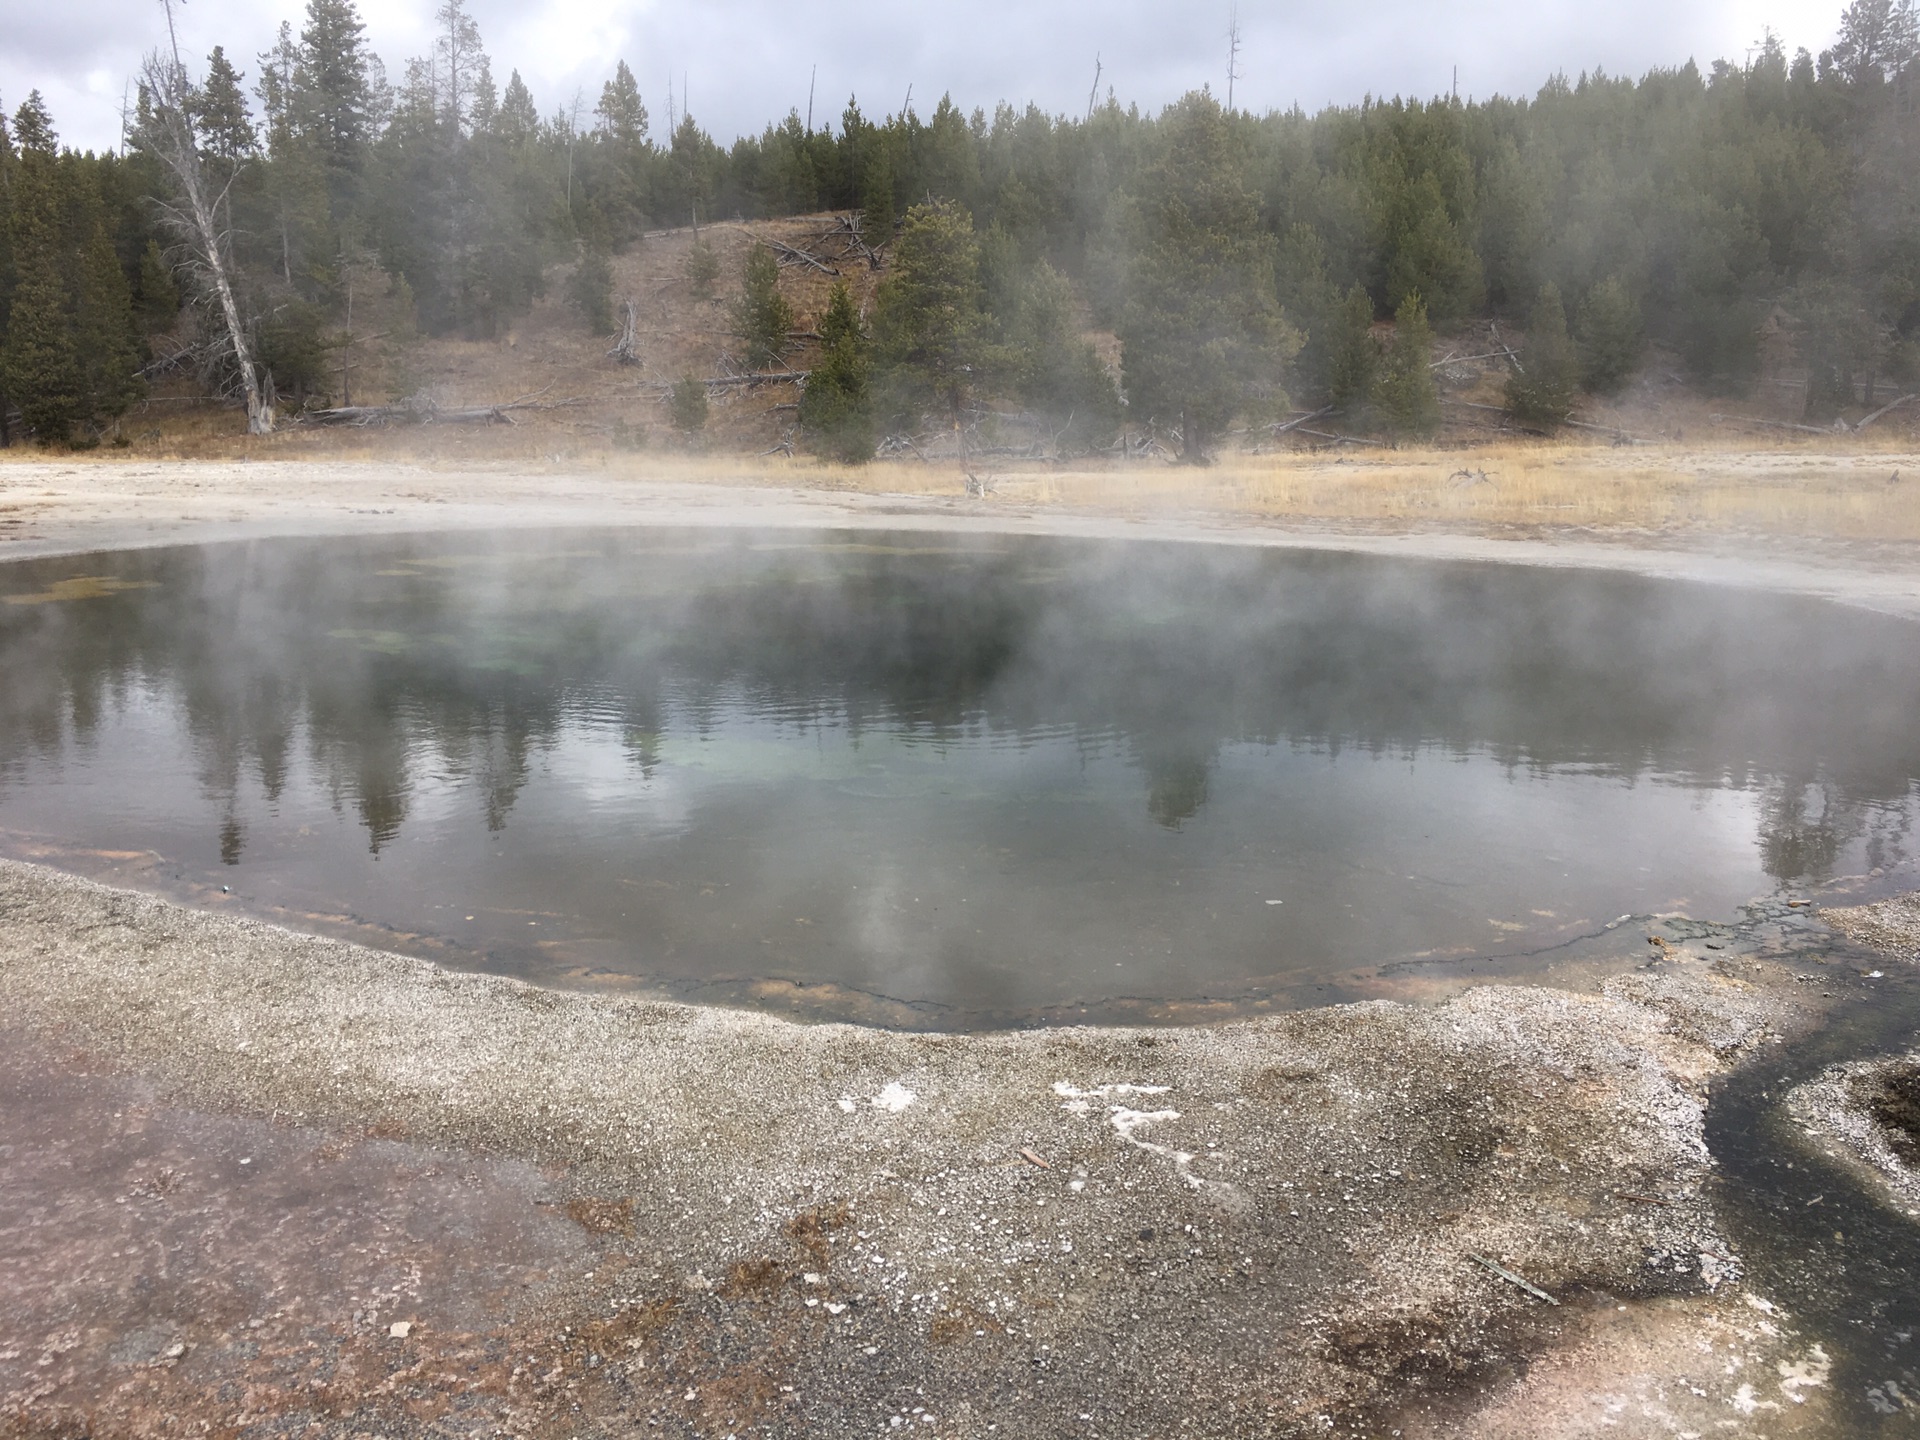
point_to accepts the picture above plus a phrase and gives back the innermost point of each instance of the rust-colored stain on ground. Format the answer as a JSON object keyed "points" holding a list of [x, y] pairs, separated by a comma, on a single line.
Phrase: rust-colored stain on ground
{"points": [[166, 1269]]}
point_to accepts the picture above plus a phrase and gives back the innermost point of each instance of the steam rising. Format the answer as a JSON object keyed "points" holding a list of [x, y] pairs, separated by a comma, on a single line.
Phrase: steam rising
{"points": [[998, 778]]}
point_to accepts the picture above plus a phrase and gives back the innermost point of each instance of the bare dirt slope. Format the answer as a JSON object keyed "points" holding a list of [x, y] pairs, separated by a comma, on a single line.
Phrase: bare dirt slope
{"points": [[550, 355]]}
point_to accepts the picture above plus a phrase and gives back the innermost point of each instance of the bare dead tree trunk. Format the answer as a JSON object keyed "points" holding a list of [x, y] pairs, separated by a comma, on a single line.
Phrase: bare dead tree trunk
{"points": [[193, 215], [626, 349]]}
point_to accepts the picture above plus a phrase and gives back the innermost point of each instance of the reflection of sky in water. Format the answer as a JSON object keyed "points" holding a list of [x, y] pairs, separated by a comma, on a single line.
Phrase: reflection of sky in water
{"points": [[979, 790]]}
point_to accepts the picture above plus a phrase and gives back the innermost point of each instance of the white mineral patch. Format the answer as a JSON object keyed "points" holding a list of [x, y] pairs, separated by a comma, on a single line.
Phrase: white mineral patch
{"points": [[1808, 1374], [1069, 1092], [895, 1098], [1127, 1120]]}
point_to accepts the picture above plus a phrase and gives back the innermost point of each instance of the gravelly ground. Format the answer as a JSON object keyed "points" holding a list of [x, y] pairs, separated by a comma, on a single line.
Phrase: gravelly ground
{"points": [[1891, 926], [239, 1156], [1867, 1114]]}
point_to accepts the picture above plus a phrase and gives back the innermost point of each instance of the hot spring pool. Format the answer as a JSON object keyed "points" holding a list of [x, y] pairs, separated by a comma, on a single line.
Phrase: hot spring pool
{"points": [[944, 782]]}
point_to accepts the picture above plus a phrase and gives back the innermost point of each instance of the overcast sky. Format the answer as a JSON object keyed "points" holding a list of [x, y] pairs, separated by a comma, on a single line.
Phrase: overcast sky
{"points": [[749, 61]]}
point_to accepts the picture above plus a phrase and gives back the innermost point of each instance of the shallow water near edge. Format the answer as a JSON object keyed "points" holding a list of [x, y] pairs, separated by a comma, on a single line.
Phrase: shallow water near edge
{"points": [[946, 783]]}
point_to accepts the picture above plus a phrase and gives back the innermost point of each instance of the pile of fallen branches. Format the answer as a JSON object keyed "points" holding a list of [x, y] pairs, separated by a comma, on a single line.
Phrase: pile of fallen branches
{"points": [[833, 247], [734, 378], [423, 410]]}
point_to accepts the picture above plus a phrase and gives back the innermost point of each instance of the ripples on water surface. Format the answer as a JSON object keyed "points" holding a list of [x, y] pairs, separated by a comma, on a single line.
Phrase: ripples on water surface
{"points": [[961, 782]]}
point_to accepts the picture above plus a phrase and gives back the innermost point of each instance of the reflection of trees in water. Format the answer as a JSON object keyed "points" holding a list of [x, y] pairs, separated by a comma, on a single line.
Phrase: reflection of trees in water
{"points": [[1176, 788], [1802, 830], [469, 671], [1806, 826], [233, 840]]}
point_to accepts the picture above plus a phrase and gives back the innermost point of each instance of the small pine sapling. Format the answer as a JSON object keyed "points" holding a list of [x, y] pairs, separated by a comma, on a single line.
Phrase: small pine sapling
{"points": [[688, 407]]}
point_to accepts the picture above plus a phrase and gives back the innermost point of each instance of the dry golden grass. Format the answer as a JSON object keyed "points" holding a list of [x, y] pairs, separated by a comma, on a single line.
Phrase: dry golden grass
{"points": [[1789, 492], [1842, 496], [1841, 489]]}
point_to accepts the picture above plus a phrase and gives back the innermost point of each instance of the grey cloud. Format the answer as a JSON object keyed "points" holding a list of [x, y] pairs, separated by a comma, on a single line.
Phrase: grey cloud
{"points": [[748, 64]]}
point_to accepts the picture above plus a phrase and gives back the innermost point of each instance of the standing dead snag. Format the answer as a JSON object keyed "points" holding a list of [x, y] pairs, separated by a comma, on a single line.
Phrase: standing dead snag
{"points": [[626, 347], [193, 215]]}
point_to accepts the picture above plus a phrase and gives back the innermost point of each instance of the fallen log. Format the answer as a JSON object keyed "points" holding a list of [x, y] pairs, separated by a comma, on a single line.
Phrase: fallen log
{"points": [[1771, 424], [1344, 439], [1298, 421], [1882, 411], [473, 415], [1621, 437], [1613, 430], [748, 378], [792, 255], [417, 412], [1468, 359], [361, 415]]}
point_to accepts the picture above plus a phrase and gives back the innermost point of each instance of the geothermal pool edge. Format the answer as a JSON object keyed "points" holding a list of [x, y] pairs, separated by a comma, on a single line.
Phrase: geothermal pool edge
{"points": [[1303, 1212], [731, 1223]]}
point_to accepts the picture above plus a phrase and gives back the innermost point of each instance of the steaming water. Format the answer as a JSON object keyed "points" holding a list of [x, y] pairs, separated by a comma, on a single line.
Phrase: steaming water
{"points": [[939, 782]]}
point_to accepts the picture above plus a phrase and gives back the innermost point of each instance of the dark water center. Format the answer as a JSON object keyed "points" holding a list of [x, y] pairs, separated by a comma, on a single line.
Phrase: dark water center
{"points": [[946, 782]]}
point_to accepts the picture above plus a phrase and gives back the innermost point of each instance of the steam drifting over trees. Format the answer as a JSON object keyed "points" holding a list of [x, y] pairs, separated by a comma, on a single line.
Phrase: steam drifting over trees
{"points": [[276, 227]]}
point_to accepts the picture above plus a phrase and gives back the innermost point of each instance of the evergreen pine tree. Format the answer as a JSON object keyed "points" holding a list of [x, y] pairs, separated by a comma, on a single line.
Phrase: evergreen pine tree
{"points": [[703, 268], [622, 116], [929, 326], [1310, 300], [8, 165], [225, 124], [590, 289], [950, 168], [159, 294], [518, 122], [334, 83], [1540, 389], [1403, 390], [1203, 338], [106, 348], [1878, 39], [33, 127], [39, 363], [486, 99], [693, 166], [279, 88], [836, 408], [761, 318], [1609, 337], [1835, 337], [1053, 370], [876, 198], [688, 406], [1353, 357], [1426, 252]]}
